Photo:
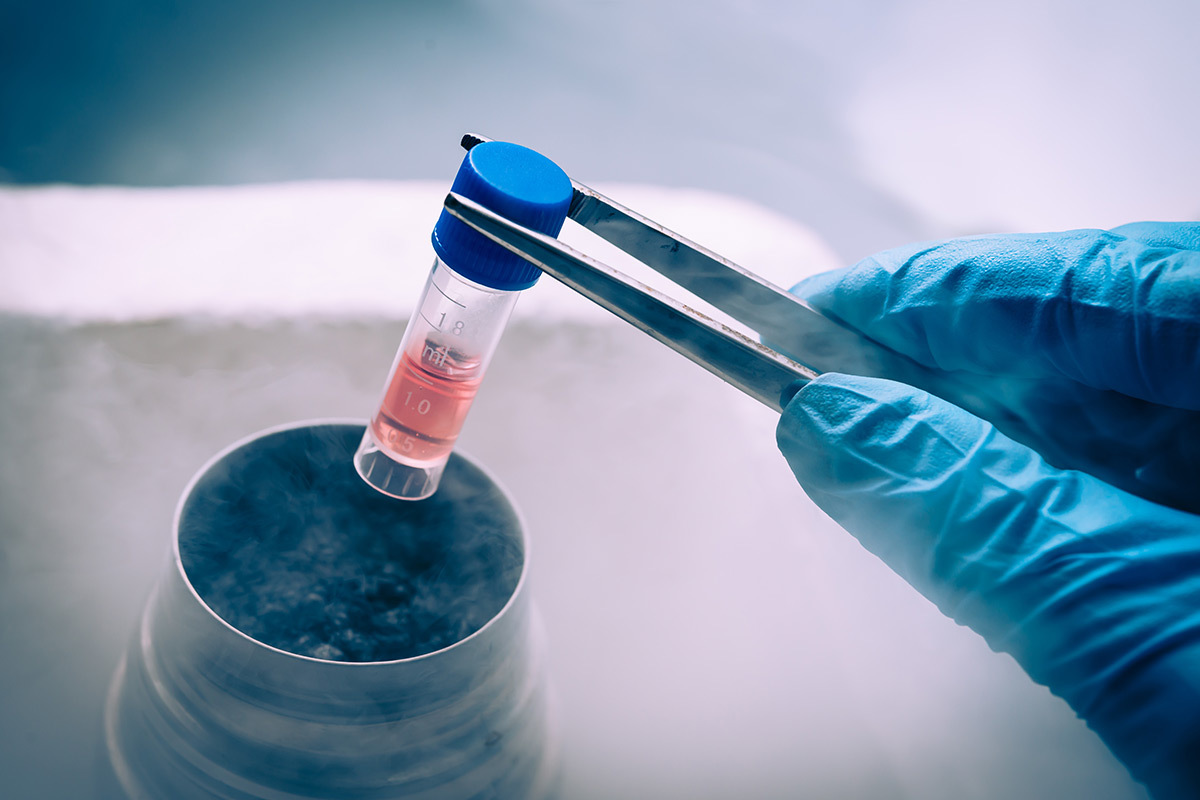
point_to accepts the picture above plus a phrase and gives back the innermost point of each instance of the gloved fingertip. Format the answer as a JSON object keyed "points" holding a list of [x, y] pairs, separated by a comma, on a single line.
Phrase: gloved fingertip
{"points": [[791, 390], [855, 295], [818, 285], [881, 459], [822, 423], [1176, 235], [844, 435]]}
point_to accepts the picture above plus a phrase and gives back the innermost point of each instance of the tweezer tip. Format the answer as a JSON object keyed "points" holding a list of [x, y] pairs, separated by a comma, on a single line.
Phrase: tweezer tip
{"points": [[469, 140]]}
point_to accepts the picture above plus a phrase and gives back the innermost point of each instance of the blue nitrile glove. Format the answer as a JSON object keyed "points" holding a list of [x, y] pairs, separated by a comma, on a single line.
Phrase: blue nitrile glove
{"points": [[1094, 590]]}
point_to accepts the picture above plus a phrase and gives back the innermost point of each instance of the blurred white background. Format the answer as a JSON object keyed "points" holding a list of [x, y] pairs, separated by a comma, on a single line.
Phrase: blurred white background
{"points": [[237, 227], [872, 122]]}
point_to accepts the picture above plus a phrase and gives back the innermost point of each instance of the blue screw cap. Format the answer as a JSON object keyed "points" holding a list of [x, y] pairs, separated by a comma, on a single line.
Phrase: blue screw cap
{"points": [[519, 184]]}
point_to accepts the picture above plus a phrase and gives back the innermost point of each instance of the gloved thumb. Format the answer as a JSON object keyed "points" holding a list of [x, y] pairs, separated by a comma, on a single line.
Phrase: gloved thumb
{"points": [[1094, 591]]}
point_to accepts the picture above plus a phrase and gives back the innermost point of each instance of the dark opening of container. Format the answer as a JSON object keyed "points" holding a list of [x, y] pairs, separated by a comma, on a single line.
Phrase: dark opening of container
{"points": [[286, 543]]}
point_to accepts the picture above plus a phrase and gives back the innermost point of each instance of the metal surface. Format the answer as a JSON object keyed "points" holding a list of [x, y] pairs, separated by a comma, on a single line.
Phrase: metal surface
{"points": [[774, 313], [198, 709], [780, 318], [752, 367]]}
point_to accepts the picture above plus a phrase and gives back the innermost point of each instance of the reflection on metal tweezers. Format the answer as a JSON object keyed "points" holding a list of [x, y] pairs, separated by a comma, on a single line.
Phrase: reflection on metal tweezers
{"points": [[818, 343]]}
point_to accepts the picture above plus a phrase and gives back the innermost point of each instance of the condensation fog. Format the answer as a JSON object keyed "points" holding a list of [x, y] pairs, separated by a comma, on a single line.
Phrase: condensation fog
{"points": [[215, 218], [285, 542]]}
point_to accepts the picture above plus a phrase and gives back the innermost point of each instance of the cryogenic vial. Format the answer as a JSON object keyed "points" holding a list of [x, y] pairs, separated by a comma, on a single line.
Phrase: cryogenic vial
{"points": [[457, 323]]}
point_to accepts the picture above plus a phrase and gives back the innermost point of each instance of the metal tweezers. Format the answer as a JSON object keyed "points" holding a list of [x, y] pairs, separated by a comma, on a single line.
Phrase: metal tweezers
{"points": [[817, 343]]}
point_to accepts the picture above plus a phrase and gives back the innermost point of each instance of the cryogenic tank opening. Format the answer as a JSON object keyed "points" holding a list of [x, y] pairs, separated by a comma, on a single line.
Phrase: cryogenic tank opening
{"points": [[287, 545]]}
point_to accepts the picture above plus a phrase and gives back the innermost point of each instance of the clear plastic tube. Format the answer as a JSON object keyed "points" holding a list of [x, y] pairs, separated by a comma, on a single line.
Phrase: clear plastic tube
{"points": [[441, 360], [459, 318]]}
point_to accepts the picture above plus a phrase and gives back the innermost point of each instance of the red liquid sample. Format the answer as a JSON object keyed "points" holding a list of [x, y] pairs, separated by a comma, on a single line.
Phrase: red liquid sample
{"points": [[426, 403]]}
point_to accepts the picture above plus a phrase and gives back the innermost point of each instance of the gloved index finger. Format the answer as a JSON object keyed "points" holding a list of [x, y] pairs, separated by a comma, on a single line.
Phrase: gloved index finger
{"points": [[1177, 235], [1097, 307]]}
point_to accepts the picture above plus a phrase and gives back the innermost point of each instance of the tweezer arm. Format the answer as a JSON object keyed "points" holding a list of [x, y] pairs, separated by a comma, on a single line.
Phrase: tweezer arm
{"points": [[779, 317], [753, 368], [733, 289], [741, 294]]}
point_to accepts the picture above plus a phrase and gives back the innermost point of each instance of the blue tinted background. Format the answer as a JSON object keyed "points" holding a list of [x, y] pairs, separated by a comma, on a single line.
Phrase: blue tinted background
{"points": [[873, 122], [715, 635]]}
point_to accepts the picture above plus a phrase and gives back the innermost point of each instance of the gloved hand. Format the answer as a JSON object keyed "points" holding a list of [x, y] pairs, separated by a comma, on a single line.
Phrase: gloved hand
{"points": [[1093, 589]]}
